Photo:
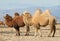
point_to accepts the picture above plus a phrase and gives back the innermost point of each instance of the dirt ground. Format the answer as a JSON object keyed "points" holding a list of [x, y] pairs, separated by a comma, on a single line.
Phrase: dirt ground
{"points": [[8, 34]]}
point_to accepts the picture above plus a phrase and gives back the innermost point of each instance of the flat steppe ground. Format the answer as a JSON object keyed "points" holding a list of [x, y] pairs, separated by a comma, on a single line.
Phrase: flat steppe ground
{"points": [[8, 34]]}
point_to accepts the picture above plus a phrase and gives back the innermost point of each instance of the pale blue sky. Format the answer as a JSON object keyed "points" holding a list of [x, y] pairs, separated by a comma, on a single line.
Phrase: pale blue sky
{"points": [[13, 4], [17, 4]]}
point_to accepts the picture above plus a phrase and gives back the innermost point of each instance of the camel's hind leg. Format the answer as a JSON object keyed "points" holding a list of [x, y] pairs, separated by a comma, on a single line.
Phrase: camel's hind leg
{"points": [[53, 29]]}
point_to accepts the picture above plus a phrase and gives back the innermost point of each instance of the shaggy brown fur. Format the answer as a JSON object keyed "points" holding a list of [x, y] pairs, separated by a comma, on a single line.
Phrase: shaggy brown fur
{"points": [[16, 22]]}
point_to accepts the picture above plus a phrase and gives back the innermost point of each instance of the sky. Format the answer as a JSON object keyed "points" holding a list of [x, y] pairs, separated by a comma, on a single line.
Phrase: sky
{"points": [[13, 4], [17, 4]]}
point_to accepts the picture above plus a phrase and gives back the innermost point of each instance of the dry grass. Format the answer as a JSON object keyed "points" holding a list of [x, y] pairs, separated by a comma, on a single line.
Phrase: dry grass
{"points": [[8, 34]]}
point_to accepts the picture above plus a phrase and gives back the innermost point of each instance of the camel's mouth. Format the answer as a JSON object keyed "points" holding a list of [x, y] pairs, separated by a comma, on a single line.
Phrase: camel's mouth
{"points": [[6, 17]]}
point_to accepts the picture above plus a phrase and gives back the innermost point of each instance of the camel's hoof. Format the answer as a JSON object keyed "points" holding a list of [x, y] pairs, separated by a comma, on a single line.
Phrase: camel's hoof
{"points": [[53, 36], [48, 36], [17, 34], [41, 36]]}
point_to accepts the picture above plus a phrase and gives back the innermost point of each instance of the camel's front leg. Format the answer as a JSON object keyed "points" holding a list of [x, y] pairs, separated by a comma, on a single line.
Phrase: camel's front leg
{"points": [[40, 32], [17, 32], [36, 31], [17, 29], [27, 30]]}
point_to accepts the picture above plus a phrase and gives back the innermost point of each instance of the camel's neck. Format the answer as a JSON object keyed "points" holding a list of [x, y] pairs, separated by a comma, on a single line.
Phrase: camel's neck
{"points": [[9, 23]]}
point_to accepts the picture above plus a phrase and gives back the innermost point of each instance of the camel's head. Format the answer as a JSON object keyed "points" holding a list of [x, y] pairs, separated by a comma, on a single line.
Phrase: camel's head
{"points": [[26, 14], [8, 17]]}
